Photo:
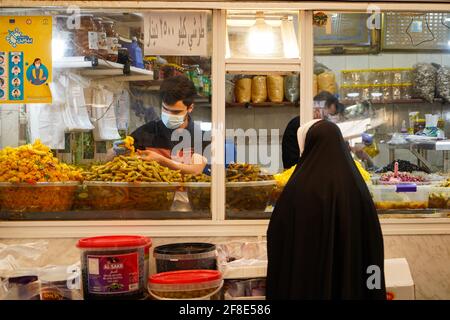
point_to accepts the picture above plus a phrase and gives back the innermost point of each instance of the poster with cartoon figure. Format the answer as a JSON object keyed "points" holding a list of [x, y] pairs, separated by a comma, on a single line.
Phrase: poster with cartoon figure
{"points": [[25, 59]]}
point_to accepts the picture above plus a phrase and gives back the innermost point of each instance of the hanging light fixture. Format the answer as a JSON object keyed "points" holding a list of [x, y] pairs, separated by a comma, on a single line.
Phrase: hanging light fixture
{"points": [[261, 39]]}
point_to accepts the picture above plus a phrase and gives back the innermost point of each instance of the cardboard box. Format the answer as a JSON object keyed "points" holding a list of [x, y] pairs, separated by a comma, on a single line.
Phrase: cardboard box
{"points": [[399, 282]]}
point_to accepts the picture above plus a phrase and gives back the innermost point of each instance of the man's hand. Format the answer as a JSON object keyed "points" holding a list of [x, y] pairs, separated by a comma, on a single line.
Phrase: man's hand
{"points": [[118, 150], [149, 155]]}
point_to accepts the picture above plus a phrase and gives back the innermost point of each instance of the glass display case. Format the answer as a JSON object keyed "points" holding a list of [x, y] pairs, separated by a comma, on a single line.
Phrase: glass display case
{"points": [[107, 70]]}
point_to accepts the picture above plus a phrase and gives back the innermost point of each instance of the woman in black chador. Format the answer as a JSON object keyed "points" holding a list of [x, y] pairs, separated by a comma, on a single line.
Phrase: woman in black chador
{"points": [[324, 239]]}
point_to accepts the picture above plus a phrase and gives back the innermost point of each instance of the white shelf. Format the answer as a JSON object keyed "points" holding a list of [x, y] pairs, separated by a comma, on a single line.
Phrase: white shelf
{"points": [[262, 65], [102, 69]]}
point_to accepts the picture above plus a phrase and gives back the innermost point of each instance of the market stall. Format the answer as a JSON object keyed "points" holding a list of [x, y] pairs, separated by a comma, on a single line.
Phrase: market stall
{"points": [[255, 69]]}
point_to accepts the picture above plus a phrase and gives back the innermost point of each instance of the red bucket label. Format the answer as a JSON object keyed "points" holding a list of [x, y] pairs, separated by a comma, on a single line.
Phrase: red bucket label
{"points": [[113, 274]]}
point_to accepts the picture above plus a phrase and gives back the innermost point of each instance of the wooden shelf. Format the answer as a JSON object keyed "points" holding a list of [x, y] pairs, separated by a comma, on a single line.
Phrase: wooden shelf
{"points": [[251, 105], [399, 101]]}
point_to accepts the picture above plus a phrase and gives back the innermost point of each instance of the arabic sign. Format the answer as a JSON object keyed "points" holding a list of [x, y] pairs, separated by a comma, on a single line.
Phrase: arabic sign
{"points": [[25, 59], [175, 33]]}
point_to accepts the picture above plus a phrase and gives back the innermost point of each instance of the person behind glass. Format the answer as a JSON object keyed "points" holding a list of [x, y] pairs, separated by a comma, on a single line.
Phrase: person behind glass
{"points": [[153, 141], [332, 111]]}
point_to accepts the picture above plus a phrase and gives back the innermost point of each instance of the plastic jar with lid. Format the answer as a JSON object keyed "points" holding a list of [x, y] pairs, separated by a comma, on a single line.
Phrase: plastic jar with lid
{"points": [[101, 37], [114, 267], [112, 41], [85, 37]]}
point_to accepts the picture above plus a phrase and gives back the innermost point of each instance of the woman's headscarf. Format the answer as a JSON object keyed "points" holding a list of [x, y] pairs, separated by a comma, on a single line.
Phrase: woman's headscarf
{"points": [[324, 236]]}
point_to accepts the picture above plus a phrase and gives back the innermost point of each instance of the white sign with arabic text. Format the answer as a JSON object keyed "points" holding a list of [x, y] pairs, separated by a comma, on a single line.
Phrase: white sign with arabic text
{"points": [[175, 33]]}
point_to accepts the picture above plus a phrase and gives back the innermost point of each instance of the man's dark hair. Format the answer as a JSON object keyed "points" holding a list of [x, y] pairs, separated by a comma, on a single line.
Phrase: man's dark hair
{"points": [[329, 100], [178, 88]]}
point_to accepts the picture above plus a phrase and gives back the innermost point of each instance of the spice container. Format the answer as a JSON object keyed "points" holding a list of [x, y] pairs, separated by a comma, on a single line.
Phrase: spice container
{"points": [[101, 37], [113, 267], [38, 197], [112, 41], [185, 256], [186, 285], [85, 38]]}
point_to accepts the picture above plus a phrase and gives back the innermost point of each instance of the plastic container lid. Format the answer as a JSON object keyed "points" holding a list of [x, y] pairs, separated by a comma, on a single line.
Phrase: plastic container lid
{"points": [[114, 242], [185, 280], [185, 248]]}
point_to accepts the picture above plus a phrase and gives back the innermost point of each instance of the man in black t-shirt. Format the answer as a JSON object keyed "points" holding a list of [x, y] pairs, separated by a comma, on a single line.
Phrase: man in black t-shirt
{"points": [[159, 140]]}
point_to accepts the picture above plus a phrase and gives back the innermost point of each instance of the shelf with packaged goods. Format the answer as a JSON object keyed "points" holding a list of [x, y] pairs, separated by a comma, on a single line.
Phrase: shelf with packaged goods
{"points": [[100, 68], [254, 66], [249, 105], [394, 101]]}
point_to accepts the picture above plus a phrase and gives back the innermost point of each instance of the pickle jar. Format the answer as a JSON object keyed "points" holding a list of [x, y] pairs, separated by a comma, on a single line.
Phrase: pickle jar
{"points": [[112, 41], [85, 37], [101, 37]]}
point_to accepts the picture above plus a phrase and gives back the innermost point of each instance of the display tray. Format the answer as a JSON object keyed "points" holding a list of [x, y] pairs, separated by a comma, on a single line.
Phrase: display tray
{"points": [[413, 213], [104, 215], [248, 215]]}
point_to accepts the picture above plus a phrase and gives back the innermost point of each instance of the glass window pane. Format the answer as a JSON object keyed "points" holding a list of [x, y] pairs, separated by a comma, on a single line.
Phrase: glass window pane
{"points": [[390, 109], [103, 91], [262, 34], [262, 110]]}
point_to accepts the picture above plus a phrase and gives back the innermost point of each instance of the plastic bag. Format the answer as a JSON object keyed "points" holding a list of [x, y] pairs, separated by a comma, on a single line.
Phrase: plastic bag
{"points": [[275, 88], [259, 89], [424, 81], [315, 85], [103, 111], [292, 87], [243, 90], [443, 83], [46, 122], [229, 89], [326, 81]]}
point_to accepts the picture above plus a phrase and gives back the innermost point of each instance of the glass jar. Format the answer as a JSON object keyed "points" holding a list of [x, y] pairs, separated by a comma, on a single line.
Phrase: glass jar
{"points": [[101, 37], [85, 38], [112, 41], [352, 94], [406, 92], [376, 93], [386, 77], [396, 77], [396, 92], [406, 76], [365, 93], [387, 93]]}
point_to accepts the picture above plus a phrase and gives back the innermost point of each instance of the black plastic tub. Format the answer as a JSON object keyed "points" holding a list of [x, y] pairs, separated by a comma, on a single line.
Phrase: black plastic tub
{"points": [[185, 256]]}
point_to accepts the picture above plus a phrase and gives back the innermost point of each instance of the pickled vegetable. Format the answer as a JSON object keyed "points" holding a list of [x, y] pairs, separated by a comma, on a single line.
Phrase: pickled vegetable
{"points": [[129, 144], [259, 89], [244, 172], [184, 294], [132, 169]]}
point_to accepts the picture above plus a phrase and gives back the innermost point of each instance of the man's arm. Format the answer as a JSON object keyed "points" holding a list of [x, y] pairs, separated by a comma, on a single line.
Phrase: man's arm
{"points": [[197, 165]]}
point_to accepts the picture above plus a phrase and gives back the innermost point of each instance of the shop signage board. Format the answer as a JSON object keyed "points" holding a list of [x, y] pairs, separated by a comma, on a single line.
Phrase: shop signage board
{"points": [[175, 33], [25, 59]]}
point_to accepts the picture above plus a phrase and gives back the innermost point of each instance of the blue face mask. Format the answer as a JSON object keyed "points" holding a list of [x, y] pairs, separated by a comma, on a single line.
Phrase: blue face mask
{"points": [[172, 121]]}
